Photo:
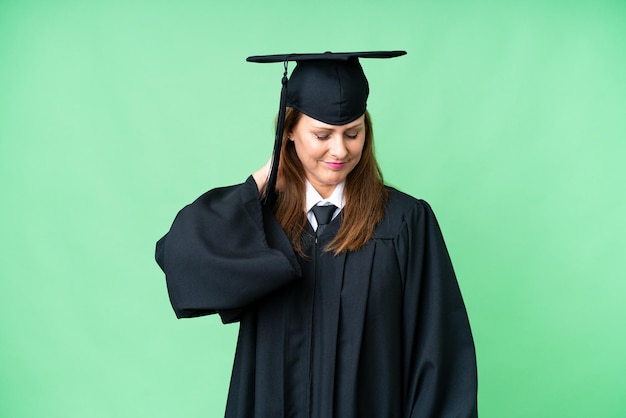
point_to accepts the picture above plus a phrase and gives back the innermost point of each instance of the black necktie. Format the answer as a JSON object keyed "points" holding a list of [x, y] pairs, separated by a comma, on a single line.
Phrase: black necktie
{"points": [[323, 215]]}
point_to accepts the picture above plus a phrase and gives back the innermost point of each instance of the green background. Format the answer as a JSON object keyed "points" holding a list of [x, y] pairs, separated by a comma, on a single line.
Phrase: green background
{"points": [[508, 117]]}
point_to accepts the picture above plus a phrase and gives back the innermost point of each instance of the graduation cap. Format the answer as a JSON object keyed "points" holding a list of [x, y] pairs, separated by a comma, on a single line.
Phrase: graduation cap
{"points": [[329, 87]]}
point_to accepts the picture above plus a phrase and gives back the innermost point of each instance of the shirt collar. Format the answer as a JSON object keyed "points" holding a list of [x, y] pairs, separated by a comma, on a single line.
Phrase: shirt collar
{"points": [[313, 198]]}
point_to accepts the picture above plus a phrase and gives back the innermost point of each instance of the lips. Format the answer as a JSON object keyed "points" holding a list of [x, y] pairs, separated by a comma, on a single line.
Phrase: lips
{"points": [[334, 165]]}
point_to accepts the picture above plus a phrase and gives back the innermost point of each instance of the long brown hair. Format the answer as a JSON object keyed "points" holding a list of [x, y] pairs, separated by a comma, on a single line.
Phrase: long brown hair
{"points": [[365, 194]]}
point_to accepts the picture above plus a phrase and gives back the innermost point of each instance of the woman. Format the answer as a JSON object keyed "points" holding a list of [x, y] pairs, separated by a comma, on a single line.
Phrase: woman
{"points": [[354, 312]]}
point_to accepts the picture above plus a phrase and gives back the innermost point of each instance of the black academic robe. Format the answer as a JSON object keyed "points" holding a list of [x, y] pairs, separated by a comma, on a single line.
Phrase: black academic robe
{"points": [[380, 332]]}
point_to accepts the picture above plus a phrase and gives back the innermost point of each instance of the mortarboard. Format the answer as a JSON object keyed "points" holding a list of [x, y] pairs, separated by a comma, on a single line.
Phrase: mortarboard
{"points": [[329, 87]]}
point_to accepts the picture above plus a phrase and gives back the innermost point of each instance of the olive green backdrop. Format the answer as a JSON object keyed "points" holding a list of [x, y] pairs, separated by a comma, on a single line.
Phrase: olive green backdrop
{"points": [[508, 117]]}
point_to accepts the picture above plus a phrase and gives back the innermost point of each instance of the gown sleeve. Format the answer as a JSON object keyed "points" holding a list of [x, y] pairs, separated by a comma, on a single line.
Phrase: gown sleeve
{"points": [[441, 376], [224, 252]]}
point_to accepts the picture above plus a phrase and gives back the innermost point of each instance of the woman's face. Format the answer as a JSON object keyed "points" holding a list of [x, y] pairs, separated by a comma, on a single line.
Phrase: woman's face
{"points": [[328, 153]]}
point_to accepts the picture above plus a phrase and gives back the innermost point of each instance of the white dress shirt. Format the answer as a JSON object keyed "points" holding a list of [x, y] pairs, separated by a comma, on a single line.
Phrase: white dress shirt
{"points": [[313, 198]]}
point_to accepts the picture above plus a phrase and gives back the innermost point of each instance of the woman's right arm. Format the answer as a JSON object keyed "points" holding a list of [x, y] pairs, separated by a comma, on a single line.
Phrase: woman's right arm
{"points": [[225, 251], [261, 175]]}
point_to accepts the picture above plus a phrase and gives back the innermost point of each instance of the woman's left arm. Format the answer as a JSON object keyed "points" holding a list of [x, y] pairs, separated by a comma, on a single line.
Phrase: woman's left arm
{"points": [[439, 355]]}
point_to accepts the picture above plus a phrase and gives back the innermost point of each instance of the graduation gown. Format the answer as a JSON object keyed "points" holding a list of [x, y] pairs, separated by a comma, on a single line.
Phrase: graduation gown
{"points": [[379, 332]]}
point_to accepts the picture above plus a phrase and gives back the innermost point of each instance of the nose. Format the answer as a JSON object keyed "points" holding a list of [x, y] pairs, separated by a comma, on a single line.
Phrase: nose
{"points": [[337, 147]]}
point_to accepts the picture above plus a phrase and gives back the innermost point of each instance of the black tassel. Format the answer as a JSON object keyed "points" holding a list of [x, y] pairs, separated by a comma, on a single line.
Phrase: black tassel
{"points": [[270, 187]]}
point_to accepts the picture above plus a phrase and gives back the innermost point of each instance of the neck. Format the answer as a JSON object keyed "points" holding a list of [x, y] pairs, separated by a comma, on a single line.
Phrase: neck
{"points": [[326, 192]]}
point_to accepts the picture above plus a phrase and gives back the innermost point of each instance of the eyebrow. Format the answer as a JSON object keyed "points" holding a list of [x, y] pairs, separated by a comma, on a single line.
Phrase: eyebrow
{"points": [[325, 128]]}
